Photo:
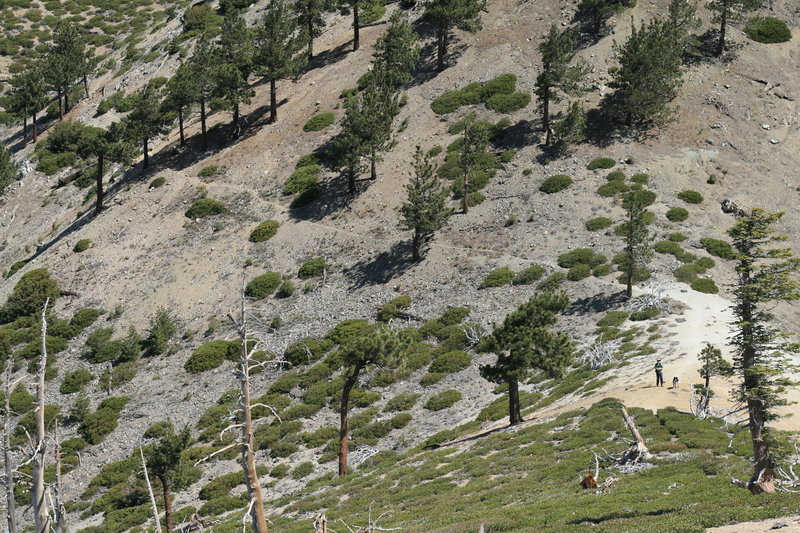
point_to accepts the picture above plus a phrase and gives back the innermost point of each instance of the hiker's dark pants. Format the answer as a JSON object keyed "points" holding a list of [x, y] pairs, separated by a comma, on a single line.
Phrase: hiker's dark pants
{"points": [[659, 378]]}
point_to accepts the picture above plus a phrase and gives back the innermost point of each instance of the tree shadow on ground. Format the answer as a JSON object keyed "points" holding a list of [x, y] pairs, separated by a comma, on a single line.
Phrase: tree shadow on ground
{"points": [[382, 268], [517, 136], [330, 57], [596, 303]]}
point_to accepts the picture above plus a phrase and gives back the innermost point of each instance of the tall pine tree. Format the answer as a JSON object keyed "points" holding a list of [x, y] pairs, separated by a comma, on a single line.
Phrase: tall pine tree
{"points": [[181, 94], [105, 145], [311, 19], [279, 45], [165, 463], [397, 51], [66, 62], [235, 62], [426, 209], [638, 241], [202, 70], [146, 120], [29, 96], [558, 75], [450, 14], [726, 11]]}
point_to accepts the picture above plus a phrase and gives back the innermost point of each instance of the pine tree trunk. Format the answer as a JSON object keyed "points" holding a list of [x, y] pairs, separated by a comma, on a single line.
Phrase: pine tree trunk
{"points": [[514, 415], [180, 126], [631, 266], [465, 200], [546, 116], [146, 161], [235, 121], [373, 171], [440, 44], [415, 244], [203, 132], [25, 129], [11, 503], [60, 108], [99, 180], [310, 29], [351, 182], [41, 516], [66, 101], [165, 485], [356, 36], [273, 102], [343, 418], [86, 85], [35, 128], [723, 28]]}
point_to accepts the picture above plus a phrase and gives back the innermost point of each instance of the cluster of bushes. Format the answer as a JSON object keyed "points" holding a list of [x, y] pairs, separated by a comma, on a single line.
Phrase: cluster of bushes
{"points": [[443, 400], [97, 425], [599, 223], [689, 274], [601, 163], [498, 94], [556, 183], [582, 263], [304, 182], [718, 248], [211, 355], [614, 185], [206, 207], [768, 30], [677, 214], [674, 249], [392, 308], [690, 197], [119, 102], [264, 231], [312, 268]]}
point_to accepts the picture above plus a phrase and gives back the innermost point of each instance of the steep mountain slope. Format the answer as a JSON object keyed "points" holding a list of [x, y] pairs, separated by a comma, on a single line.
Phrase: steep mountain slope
{"points": [[146, 254]]}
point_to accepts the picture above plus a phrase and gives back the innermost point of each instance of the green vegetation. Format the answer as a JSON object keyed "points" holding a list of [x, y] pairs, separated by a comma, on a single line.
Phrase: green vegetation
{"points": [[508, 103], [319, 122], [718, 248], [581, 256], [705, 285], [677, 214], [97, 425], [206, 207], [392, 308], [211, 355], [768, 30], [443, 400], [75, 380], [450, 362], [498, 277], [304, 182], [498, 94], [529, 275], [30, 294], [556, 183], [690, 197], [312, 268], [401, 402], [601, 163], [262, 286], [158, 182], [612, 188], [264, 231], [82, 245], [599, 223]]}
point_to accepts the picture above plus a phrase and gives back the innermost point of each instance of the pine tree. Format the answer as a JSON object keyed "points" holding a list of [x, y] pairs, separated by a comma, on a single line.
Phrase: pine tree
{"points": [[311, 19], [649, 74], [765, 276], [202, 70], [379, 107], [638, 241], [105, 145], [449, 14], [729, 11], [557, 76], [279, 44], [181, 93], [66, 62], [599, 11], [162, 328], [234, 64], [572, 128], [377, 346], [146, 120], [476, 138], [29, 96], [711, 364], [349, 144], [397, 51], [355, 6], [525, 342], [164, 462], [426, 209]]}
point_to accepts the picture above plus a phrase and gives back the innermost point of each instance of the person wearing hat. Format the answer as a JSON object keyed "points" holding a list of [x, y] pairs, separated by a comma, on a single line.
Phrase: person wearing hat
{"points": [[659, 373]]}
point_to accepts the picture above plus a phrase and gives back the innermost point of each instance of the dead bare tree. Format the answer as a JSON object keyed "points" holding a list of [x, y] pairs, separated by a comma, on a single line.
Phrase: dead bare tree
{"points": [[600, 353], [372, 525], [150, 492], [41, 514], [637, 452], [11, 505], [59, 511]]}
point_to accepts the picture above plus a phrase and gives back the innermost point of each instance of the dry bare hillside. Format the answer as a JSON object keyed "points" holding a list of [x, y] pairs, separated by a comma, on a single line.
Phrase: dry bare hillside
{"points": [[735, 118]]}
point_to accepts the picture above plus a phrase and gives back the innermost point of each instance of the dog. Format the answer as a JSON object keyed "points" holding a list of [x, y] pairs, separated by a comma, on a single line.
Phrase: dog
{"points": [[675, 382]]}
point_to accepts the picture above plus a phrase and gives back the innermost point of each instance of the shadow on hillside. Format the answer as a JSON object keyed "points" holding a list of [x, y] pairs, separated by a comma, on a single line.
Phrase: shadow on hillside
{"points": [[330, 57], [382, 268], [517, 136], [596, 303]]}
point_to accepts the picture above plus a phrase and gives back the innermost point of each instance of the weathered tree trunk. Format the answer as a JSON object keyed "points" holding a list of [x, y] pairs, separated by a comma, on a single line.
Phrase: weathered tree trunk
{"points": [[630, 270], [146, 161], [416, 240], [723, 28], [373, 170], [99, 181], [150, 491], [180, 126], [235, 121], [257, 515], [465, 200], [66, 101], [546, 117], [25, 128], [310, 29], [273, 102], [356, 36], [57, 492], [35, 128], [41, 516], [86, 85], [637, 452], [351, 182], [203, 132], [60, 107], [441, 32], [514, 414], [167, 489], [11, 502], [344, 410]]}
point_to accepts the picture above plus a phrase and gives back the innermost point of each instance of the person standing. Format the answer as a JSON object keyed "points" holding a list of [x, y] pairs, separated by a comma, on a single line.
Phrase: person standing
{"points": [[659, 373]]}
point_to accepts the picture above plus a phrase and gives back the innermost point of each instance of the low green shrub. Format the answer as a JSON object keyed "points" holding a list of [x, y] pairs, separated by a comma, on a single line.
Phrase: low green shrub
{"points": [[690, 197], [601, 163], [319, 122], [303, 178], [454, 316], [286, 289], [718, 248], [616, 175], [262, 286], [579, 272], [613, 319], [392, 308], [210, 355], [84, 318], [643, 196], [581, 256], [280, 471], [552, 282], [82, 245], [158, 182], [529, 275], [443, 400], [372, 12], [556, 183], [768, 30], [207, 172], [640, 179], [450, 362], [302, 470], [401, 402], [206, 207], [677, 237], [677, 214], [644, 314], [667, 247], [502, 84], [508, 103], [264, 231], [705, 285], [498, 277], [312, 268], [612, 188], [596, 224], [30, 294], [97, 425], [285, 383], [75, 380]]}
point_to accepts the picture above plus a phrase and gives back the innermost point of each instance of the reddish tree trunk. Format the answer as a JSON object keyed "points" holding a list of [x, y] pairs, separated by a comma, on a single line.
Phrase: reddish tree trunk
{"points": [[356, 36], [165, 484], [514, 415], [273, 102], [343, 419], [204, 133], [180, 126]]}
